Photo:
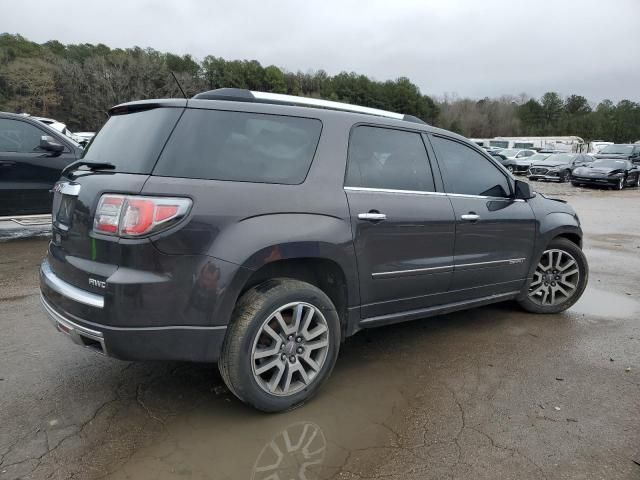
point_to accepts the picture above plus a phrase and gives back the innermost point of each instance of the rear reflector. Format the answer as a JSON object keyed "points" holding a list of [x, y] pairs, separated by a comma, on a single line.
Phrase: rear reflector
{"points": [[134, 216]]}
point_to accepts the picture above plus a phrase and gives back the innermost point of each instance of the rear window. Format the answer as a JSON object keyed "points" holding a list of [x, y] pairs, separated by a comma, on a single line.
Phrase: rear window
{"points": [[133, 141], [239, 146]]}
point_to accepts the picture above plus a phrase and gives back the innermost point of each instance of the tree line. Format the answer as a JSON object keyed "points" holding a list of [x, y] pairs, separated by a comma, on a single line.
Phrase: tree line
{"points": [[78, 83]]}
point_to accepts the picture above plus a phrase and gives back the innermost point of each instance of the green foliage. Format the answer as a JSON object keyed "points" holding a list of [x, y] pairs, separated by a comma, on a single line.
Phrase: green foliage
{"points": [[77, 84]]}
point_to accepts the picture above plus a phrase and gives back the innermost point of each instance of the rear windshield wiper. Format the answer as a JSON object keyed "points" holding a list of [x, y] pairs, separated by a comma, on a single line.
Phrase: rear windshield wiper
{"points": [[91, 165]]}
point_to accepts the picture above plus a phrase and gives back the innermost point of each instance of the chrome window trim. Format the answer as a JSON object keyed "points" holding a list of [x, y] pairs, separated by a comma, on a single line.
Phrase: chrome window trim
{"points": [[419, 192], [445, 268], [63, 288]]}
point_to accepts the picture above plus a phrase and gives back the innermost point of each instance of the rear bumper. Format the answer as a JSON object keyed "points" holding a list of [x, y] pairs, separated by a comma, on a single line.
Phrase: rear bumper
{"points": [[171, 342]]}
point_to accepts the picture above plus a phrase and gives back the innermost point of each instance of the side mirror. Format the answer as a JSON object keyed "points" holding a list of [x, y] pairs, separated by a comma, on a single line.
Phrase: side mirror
{"points": [[523, 190], [50, 145]]}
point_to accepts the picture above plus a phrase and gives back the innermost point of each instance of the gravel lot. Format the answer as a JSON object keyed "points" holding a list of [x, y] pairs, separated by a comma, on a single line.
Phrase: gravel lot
{"points": [[489, 393]]}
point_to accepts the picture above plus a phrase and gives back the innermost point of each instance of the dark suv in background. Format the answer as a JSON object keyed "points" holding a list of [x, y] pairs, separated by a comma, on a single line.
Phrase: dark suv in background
{"points": [[621, 151], [32, 155], [259, 230]]}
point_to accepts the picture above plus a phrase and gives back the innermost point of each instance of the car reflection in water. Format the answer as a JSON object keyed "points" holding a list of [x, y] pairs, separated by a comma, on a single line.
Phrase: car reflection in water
{"points": [[296, 453]]}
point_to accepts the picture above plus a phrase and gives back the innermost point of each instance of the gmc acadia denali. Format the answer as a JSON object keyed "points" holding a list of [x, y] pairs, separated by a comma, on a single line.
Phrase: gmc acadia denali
{"points": [[259, 230]]}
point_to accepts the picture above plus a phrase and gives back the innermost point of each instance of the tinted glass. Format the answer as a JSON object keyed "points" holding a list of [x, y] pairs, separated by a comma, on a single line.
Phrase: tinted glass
{"points": [[20, 137], [133, 141], [386, 158], [467, 171], [539, 156], [238, 146], [510, 152], [617, 149], [561, 158]]}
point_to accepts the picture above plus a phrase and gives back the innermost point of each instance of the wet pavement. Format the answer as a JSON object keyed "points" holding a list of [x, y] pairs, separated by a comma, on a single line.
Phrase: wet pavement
{"points": [[488, 393]]}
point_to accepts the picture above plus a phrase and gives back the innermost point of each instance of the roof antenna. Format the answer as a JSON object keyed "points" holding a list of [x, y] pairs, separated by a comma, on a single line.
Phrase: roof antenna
{"points": [[179, 86]]}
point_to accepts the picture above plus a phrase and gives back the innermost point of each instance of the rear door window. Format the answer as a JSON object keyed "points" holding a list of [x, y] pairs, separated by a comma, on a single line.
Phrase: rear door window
{"points": [[240, 146], [389, 159], [468, 172], [133, 141]]}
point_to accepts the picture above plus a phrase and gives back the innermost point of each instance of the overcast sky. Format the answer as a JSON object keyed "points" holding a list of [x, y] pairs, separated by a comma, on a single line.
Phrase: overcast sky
{"points": [[472, 48]]}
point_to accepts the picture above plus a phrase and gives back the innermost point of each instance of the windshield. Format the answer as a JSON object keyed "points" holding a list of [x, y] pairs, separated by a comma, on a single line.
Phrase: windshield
{"points": [[609, 164], [510, 152], [539, 157], [618, 149], [560, 158]]}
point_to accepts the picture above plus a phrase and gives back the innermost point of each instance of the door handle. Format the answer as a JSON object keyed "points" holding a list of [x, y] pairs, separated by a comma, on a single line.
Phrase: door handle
{"points": [[470, 217], [7, 163], [372, 216]]}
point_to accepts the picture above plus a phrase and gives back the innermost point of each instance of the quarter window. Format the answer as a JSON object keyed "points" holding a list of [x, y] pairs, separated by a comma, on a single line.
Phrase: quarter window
{"points": [[467, 171], [239, 146], [19, 137], [387, 158]]}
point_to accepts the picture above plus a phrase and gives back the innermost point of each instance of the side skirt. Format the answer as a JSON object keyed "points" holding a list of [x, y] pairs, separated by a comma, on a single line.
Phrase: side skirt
{"points": [[435, 310]]}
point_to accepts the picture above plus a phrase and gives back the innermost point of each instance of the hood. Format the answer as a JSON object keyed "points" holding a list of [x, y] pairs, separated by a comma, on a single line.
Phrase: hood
{"points": [[599, 171], [612, 155]]}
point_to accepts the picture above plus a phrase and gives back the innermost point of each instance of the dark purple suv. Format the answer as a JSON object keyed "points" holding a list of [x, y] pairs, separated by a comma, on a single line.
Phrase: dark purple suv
{"points": [[259, 230]]}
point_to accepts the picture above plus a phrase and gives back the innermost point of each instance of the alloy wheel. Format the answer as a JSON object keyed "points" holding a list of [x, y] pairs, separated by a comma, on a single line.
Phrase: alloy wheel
{"points": [[555, 279], [290, 349], [620, 183]]}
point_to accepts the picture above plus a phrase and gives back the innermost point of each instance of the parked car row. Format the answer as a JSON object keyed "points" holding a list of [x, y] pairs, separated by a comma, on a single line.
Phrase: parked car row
{"points": [[615, 166]]}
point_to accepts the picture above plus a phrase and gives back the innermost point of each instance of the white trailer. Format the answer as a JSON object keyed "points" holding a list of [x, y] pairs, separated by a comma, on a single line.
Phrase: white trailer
{"points": [[563, 144]]}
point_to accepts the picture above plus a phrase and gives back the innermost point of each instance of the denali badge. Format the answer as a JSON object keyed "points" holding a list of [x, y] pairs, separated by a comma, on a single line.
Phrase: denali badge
{"points": [[97, 283]]}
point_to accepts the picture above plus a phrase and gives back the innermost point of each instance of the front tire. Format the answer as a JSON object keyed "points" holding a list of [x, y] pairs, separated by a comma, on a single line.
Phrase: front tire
{"points": [[281, 345], [564, 176], [620, 184], [559, 279]]}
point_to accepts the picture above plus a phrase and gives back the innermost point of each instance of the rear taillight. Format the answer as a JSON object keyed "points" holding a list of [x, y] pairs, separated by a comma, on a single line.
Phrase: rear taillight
{"points": [[134, 216]]}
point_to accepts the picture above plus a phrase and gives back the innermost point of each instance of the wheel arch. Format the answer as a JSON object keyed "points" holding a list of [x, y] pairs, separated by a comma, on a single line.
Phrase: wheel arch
{"points": [[324, 273]]}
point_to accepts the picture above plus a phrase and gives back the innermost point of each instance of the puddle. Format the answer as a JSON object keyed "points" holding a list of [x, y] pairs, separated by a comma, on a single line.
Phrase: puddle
{"points": [[605, 304], [225, 439]]}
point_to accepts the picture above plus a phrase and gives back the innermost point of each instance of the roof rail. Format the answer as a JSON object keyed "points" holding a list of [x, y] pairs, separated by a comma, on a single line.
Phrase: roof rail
{"points": [[242, 95]]}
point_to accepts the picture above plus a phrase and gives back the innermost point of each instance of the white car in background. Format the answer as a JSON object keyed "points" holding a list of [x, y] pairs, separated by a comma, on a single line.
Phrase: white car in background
{"points": [[85, 136], [81, 138]]}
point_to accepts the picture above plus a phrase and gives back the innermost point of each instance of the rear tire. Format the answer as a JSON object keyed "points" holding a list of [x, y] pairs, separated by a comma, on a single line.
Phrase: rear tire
{"points": [[554, 286], [270, 341]]}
